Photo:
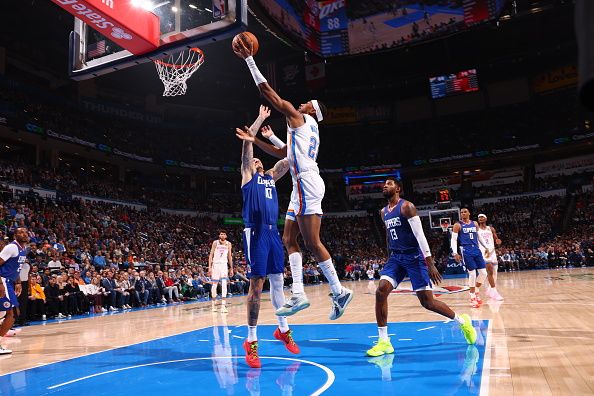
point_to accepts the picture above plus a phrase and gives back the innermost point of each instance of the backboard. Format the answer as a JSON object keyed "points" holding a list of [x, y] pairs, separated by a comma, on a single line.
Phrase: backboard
{"points": [[183, 24], [444, 218]]}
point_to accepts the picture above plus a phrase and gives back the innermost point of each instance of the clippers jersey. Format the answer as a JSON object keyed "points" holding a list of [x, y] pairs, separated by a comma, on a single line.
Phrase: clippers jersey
{"points": [[468, 236], [303, 144], [400, 235], [12, 263], [221, 253], [260, 202]]}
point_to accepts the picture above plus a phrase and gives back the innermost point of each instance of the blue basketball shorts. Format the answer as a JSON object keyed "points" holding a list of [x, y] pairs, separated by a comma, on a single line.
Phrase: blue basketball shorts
{"points": [[263, 249], [413, 265], [473, 259]]}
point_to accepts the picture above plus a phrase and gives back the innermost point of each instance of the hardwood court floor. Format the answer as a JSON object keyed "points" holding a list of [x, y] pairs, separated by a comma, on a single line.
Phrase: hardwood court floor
{"points": [[541, 341]]}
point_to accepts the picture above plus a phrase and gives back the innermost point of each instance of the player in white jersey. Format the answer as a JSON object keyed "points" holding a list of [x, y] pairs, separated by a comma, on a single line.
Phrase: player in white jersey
{"points": [[304, 215], [220, 268], [488, 236]]}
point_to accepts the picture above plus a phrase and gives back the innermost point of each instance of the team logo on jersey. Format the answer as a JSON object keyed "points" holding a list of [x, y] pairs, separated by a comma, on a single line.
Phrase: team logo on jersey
{"points": [[7, 304], [395, 222]]}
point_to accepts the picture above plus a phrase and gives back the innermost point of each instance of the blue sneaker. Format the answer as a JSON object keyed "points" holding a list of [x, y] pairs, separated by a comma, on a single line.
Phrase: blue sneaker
{"points": [[340, 302]]}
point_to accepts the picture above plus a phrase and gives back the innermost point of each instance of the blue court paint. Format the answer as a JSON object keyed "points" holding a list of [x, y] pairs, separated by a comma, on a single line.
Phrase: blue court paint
{"points": [[419, 14], [436, 359]]}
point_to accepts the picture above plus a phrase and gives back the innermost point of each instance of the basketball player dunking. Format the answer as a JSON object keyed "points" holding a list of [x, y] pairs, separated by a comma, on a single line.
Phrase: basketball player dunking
{"points": [[12, 258], [262, 244], [409, 255], [220, 268], [471, 255], [304, 214], [488, 236]]}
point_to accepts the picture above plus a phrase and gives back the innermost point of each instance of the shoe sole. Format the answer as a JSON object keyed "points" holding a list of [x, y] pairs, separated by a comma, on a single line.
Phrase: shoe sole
{"points": [[293, 312], [344, 308]]}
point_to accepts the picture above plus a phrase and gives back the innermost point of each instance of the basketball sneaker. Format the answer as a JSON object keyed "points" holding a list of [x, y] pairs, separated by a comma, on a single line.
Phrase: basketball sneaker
{"points": [[224, 309], [495, 295], [478, 299], [287, 339], [467, 329], [4, 351], [381, 347], [296, 303], [251, 354], [340, 302], [474, 303]]}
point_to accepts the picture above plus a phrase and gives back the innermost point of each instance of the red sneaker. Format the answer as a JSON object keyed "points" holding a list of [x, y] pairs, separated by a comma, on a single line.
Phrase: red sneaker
{"points": [[287, 339], [478, 299], [474, 303], [251, 354]]}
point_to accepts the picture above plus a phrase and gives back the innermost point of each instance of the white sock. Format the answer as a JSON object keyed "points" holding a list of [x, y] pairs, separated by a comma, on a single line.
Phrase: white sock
{"points": [[472, 295], [296, 263], [283, 324], [458, 319], [327, 268], [494, 290], [383, 332], [252, 336]]}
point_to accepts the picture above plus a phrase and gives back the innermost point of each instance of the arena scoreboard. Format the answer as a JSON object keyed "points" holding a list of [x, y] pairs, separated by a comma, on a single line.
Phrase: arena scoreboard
{"points": [[454, 84]]}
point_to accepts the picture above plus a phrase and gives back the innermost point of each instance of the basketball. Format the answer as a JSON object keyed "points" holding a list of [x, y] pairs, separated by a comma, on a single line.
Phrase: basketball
{"points": [[248, 40]]}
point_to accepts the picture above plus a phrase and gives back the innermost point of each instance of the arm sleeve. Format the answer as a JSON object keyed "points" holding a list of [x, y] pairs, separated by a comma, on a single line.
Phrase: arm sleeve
{"points": [[277, 142], [9, 252], [454, 243], [417, 229]]}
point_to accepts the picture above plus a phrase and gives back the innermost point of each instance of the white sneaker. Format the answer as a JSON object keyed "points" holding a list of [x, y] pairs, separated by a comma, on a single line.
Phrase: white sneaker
{"points": [[340, 302], [43, 317], [60, 316], [496, 296], [4, 351], [296, 303], [103, 309], [69, 315], [112, 309]]}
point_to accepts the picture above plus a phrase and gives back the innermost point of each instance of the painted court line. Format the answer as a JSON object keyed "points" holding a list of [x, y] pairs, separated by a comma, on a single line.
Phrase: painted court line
{"points": [[405, 339], [426, 328], [329, 373], [325, 339], [486, 364]]}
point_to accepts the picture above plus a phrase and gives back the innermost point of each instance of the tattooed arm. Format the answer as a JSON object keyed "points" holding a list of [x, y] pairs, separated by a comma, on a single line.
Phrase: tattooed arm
{"points": [[279, 169]]}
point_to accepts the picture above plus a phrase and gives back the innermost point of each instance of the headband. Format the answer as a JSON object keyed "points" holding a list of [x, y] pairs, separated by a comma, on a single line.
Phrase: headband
{"points": [[316, 106]]}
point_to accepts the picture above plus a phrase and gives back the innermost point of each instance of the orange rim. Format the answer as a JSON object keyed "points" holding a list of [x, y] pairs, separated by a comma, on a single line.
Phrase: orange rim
{"points": [[200, 60]]}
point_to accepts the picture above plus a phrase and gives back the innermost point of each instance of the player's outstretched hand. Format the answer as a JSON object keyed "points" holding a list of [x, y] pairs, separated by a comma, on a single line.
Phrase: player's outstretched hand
{"points": [[264, 112], [267, 131], [244, 134], [241, 50], [434, 274]]}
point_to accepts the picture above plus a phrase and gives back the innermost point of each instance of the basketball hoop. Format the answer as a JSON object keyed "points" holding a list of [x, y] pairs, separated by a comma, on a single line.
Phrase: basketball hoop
{"points": [[175, 71]]}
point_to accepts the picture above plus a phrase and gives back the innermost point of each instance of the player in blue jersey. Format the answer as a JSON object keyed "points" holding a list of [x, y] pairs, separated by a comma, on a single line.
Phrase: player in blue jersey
{"points": [[263, 247], [465, 231], [409, 255], [12, 257]]}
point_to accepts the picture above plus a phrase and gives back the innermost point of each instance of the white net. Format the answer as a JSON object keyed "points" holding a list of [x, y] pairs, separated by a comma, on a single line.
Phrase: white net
{"points": [[175, 71]]}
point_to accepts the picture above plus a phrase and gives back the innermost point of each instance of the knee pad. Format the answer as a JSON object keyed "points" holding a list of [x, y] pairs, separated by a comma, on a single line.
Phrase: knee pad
{"points": [[482, 275], [472, 278]]}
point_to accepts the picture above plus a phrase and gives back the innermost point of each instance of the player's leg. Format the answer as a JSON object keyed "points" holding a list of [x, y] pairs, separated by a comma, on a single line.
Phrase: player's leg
{"points": [[275, 269], [492, 278], [253, 309], [213, 290], [470, 265], [298, 300], [391, 275], [421, 284], [224, 271], [481, 274], [9, 301]]}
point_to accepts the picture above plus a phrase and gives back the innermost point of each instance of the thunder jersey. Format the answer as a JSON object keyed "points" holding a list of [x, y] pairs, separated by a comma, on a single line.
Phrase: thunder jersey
{"points": [[400, 235], [12, 265], [221, 253], [468, 236], [303, 144], [486, 236], [260, 202]]}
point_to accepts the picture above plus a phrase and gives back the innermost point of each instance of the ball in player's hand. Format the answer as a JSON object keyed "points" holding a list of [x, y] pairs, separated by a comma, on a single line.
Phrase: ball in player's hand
{"points": [[245, 44]]}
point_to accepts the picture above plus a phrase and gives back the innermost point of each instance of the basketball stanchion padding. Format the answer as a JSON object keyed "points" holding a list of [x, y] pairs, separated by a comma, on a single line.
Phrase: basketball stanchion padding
{"points": [[175, 71]]}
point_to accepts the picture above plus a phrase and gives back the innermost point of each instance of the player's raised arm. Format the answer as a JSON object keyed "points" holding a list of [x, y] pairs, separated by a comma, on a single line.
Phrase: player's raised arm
{"points": [[265, 89], [279, 169], [247, 154]]}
